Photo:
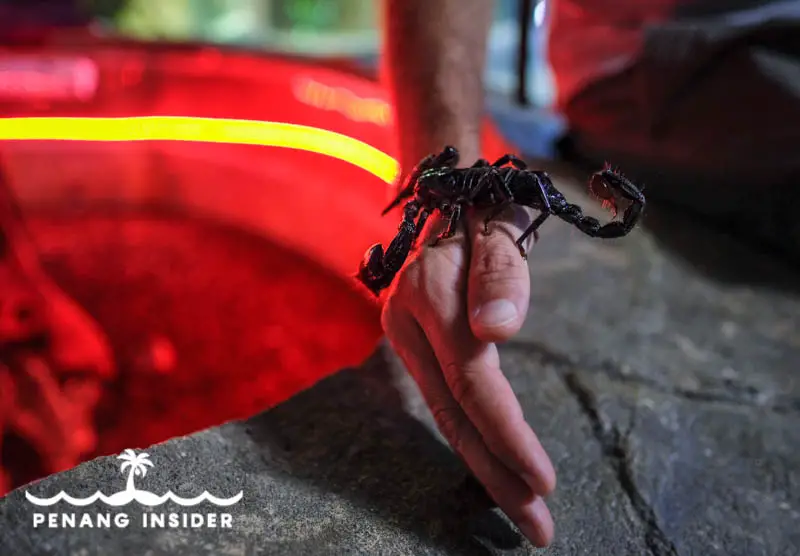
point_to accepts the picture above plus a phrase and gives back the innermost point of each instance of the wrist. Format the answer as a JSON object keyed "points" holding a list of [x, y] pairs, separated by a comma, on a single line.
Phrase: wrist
{"points": [[414, 149]]}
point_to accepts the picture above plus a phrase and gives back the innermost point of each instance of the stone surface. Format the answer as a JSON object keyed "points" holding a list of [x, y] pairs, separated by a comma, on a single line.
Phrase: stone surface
{"points": [[341, 468], [713, 475], [660, 372]]}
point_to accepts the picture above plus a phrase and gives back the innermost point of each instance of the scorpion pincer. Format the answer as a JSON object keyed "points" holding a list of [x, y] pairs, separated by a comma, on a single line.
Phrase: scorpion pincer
{"points": [[436, 184]]}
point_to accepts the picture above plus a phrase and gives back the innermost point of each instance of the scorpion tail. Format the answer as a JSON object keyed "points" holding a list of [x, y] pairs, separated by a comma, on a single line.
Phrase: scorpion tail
{"points": [[379, 267], [371, 271]]}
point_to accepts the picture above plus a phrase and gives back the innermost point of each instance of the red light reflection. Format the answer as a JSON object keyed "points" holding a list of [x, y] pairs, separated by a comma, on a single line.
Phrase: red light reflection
{"points": [[208, 320]]}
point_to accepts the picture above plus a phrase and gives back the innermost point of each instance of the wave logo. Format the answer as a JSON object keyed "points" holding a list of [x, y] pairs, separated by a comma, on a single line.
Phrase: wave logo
{"points": [[136, 465]]}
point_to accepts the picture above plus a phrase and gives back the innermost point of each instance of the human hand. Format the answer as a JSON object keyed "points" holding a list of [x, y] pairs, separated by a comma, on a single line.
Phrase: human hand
{"points": [[445, 311]]}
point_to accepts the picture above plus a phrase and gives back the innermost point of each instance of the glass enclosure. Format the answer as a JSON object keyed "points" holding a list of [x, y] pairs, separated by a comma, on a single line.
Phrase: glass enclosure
{"points": [[321, 28]]}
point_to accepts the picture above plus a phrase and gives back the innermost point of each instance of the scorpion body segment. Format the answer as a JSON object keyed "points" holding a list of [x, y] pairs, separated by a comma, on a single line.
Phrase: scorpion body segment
{"points": [[437, 184]]}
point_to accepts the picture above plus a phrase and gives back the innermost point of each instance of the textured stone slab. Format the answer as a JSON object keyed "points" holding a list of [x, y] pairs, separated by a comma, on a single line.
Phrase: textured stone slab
{"points": [[351, 466], [714, 478]]}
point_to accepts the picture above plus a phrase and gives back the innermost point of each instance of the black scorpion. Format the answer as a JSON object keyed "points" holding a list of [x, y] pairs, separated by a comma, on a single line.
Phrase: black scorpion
{"points": [[436, 184]]}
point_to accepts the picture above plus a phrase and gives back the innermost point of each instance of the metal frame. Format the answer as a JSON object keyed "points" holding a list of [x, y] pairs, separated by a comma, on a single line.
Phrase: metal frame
{"points": [[523, 53]]}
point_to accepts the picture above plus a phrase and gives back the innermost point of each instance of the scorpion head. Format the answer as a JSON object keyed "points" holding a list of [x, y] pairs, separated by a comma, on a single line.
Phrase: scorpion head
{"points": [[614, 190], [430, 178]]}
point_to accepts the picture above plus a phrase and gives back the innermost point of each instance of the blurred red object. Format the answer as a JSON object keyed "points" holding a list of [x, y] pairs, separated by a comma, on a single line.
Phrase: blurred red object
{"points": [[321, 208]]}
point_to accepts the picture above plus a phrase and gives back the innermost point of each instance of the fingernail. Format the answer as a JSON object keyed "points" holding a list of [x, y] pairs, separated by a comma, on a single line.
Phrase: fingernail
{"points": [[496, 313], [544, 522], [536, 523]]}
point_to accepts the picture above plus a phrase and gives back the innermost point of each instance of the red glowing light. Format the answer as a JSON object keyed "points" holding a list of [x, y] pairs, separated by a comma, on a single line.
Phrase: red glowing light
{"points": [[38, 78]]}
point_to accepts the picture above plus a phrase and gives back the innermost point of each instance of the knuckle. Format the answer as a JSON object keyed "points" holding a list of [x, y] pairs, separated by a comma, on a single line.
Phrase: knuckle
{"points": [[446, 258], [407, 284], [413, 271], [395, 319], [430, 277], [389, 315], [490, 266], [431, 284], [431, 291], [449, 422], [461, 383]]}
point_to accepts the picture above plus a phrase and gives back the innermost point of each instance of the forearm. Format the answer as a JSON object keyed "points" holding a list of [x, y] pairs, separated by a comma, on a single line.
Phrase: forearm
{"points": [[434, 58]]}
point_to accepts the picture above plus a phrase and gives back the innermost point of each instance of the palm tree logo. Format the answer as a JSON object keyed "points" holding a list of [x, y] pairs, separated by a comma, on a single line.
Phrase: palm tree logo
{"points": [[136, 463], [136, 466]]}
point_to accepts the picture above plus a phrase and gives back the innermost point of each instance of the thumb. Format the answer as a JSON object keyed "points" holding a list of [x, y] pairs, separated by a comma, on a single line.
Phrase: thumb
{"points": [[499, 279]]}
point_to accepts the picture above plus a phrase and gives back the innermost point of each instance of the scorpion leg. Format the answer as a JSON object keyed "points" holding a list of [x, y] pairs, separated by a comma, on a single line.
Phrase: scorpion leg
{"points": [[547, 210], [532, 229], [454, 218], [423, 217], [448, 157], [480, 163], [515, 161], [494, 214], [503, 191]]}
